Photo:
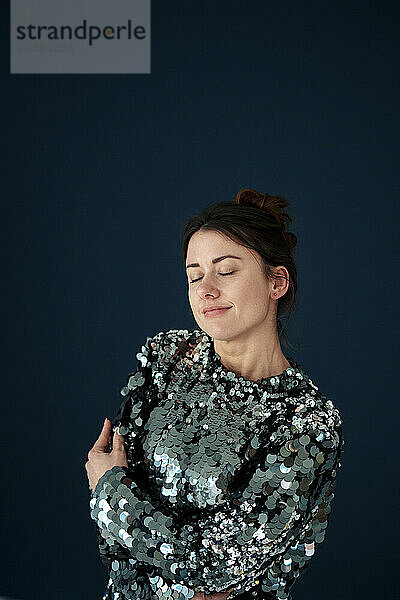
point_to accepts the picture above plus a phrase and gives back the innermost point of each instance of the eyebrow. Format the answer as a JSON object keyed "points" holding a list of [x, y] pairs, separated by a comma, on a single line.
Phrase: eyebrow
{"points": [[215, 260]]}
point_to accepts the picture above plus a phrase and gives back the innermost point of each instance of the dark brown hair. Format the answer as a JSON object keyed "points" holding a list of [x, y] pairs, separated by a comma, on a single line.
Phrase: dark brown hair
{"points": [[259, 222]]}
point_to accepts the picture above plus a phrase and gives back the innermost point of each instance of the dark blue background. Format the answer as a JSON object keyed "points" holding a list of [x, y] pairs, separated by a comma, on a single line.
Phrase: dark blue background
{"points": [[101, 174]]}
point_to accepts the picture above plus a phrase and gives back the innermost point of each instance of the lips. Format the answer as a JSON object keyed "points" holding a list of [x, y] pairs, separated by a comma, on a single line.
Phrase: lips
{"points": [[215, 309]]}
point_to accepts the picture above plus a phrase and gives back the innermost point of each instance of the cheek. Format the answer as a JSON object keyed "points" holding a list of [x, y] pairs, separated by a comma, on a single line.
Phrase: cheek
{"points": [[251, 294], [191, 296], [244, 289]]}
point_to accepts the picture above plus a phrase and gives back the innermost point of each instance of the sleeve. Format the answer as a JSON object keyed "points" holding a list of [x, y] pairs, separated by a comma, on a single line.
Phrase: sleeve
{"points": [[127, 573], [281, 502]]}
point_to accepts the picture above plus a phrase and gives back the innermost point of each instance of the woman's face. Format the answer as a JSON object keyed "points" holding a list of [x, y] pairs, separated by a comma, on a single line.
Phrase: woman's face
{"points": [[238, 283]]}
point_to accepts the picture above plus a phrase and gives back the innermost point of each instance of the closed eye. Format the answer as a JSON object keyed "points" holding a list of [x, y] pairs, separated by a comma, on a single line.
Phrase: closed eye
{"points": [[224, 274]]}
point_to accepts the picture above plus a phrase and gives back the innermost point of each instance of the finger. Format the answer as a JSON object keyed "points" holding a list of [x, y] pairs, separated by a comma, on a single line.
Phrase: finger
{"points": [[102, 440], [118, 440], [219, 595]]}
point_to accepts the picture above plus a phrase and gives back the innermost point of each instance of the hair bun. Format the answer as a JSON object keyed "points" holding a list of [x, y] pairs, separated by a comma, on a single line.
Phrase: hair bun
{"points": [[274, 205]]}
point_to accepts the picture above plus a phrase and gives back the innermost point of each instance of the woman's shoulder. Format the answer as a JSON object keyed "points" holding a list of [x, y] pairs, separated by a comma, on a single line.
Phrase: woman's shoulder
{"points": [[169, 347], [168, 352], [315, 410], [316, 416]]}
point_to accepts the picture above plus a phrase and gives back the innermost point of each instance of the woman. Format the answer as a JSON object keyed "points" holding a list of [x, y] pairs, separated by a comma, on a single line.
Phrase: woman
{"points": [[222, 470]]}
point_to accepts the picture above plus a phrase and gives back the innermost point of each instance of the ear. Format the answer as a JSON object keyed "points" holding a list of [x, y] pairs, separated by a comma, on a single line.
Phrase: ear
{"points": [[280, 282]]}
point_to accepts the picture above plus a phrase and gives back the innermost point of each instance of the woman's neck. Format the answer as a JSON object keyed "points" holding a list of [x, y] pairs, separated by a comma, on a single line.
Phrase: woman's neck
{"points": [[250, 359]]}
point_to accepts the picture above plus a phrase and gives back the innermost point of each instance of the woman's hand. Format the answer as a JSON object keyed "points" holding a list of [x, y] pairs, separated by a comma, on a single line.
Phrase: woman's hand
{"points": [[100, 461], [218, 596]]}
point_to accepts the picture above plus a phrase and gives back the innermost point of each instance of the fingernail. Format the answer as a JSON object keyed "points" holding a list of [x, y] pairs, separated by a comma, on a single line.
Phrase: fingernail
{"points": [[105, 421]]}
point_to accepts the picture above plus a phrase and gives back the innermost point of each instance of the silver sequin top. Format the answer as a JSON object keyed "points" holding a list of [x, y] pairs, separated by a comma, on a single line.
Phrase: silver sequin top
{"points": [[229, 483]]}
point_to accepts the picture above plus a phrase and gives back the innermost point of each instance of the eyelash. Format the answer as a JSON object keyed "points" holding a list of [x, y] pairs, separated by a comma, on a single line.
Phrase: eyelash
{"points": [[230, 273]]}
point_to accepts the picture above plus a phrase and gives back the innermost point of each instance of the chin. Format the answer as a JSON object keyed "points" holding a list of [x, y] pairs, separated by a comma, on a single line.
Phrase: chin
{"points": [[218, 331]]}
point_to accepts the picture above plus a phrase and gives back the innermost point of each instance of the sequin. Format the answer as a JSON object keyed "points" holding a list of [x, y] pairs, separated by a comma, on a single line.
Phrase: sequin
{"points": [[229, 481]]}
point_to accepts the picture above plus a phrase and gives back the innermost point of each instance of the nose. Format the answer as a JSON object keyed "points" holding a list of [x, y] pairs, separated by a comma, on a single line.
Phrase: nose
{"points": [[208, 288]]}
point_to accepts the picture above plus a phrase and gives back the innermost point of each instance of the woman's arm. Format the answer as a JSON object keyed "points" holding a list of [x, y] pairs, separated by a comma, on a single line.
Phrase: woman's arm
{"points": [[269, 528], [286, 498]]}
